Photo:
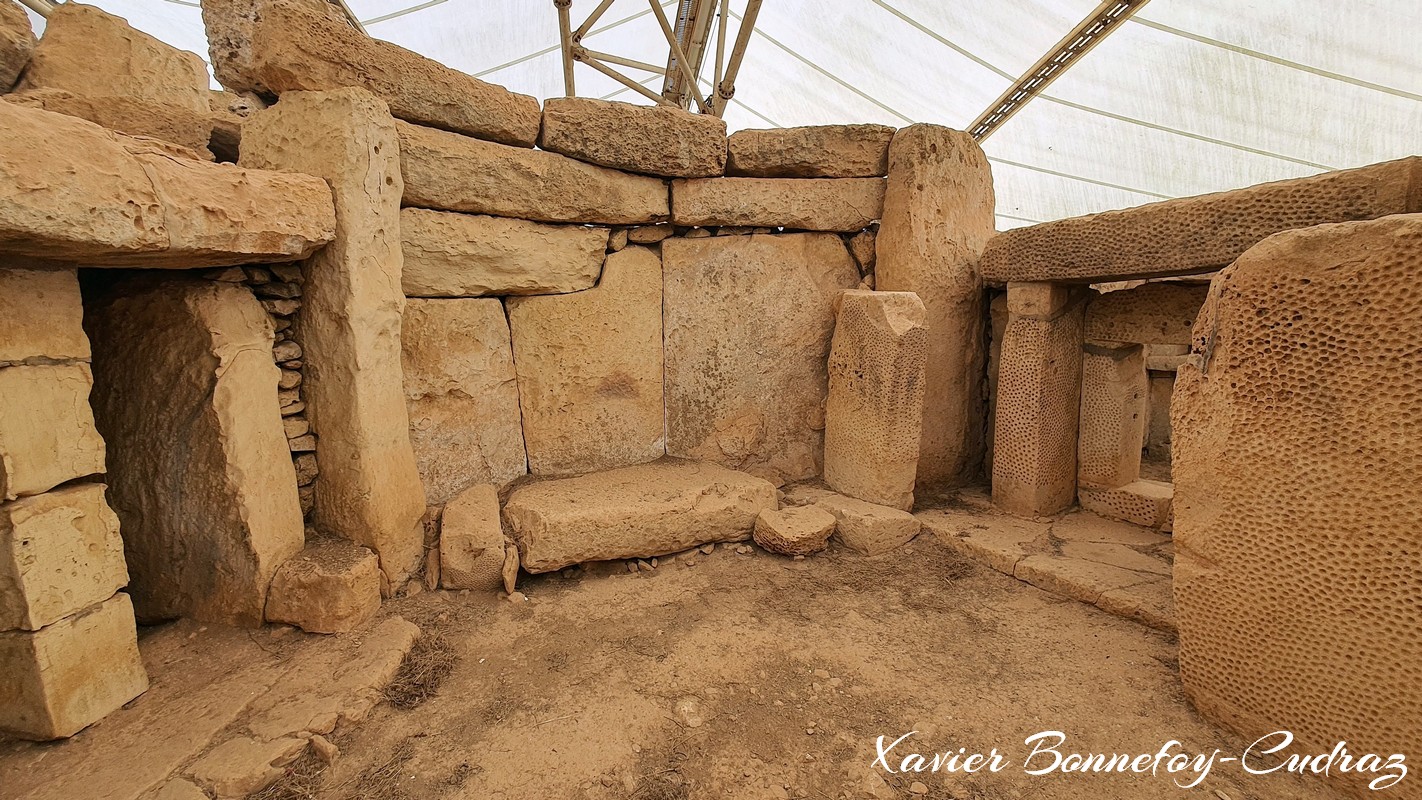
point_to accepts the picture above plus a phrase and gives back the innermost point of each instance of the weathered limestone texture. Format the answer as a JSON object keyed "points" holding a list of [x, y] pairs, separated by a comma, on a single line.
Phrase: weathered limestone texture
{"points": [[40, 317], [47, 433], [199, 471], [1145, 503], [17, 42], [1111, 432], [810, 204], [462, 395], [464, 255], [450, 172], [1038, 400], [749, 321], [590, 370], [1156, 313], [938, 216], [471, 541], [656, 140], [275, 46], [60, 552], [868, 528], [814, 151], [796, 531], [178, 126], [369, 491], [1198, 234], [646, 510], [875, 408], [1297, 570], [73, 191], [330, 587], [65, 676]]}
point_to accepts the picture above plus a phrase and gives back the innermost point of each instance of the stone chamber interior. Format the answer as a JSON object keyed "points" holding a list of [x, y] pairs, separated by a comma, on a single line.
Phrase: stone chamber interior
{"points": [[368, 430]]}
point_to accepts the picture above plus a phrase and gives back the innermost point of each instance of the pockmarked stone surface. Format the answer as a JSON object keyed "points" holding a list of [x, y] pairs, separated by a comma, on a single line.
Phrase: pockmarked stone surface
{"points": [[450, 172], [1156, 313], [1111, 432], [47, 433], [330, 587], [656, 140], [646, 510], [868, 528], [369, 490], [814, 151], [1297, 570], [1143, 502], [1197, 234], [68, 675], [462, 395], [471, 541], [17, 43], [810, 204], [748, 326], [589, 370], [60, 552], [199, 471], [467, 255], [874, 412], [796, 531], [40, 317], [938, 217], [276, 46]]}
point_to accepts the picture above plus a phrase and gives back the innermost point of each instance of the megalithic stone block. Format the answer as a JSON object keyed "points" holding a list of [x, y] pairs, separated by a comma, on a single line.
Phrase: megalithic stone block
{"points": [[1113, 415], [656, 140], [874, 413], [369, 490], [47, 433], [17, 43]]}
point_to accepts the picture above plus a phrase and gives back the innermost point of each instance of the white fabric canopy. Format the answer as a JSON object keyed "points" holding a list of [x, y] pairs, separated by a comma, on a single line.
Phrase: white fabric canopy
{"points": [[1189, 96]]}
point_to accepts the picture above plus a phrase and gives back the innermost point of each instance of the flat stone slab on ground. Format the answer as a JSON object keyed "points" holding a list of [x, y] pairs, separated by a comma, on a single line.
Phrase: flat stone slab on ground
{"points": [[867, 528], [795, 531]]}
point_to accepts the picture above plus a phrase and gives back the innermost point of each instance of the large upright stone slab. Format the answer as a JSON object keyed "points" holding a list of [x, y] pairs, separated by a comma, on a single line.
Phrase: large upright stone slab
{"points": [[1297, 567], [813, 151], [809, 204], [938, 216], [47, 433], [642, 511], [464, 255], [1038, 400], [656, 140], [462, 395], [1111, 433], [276, 46], [17, 42], [590, 369], [41, 317], [456, 173], [369, 491], [748, 326], [199, 470], [874, 413]]}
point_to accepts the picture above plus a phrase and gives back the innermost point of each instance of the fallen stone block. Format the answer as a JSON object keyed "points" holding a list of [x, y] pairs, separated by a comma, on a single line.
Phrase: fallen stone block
{"points": [[797, 531], [749, 320], [330, 587], [40, 317], [464, 255], [1111, 431], [874, 412], [70, 674], [810, 204], [450, 172], [641, 511], [47, 433], [60, 552], [1142, 502], [17, 42], [589, 370], [655, 140], [1156, 313], [471, 541], [462, 395], [868, 528], [276, 46], [814, 151]]}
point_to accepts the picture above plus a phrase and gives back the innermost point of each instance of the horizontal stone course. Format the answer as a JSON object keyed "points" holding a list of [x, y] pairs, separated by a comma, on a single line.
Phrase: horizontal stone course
{"points": [[656, 140], [815, 151], [467, 255], [811, 204]]}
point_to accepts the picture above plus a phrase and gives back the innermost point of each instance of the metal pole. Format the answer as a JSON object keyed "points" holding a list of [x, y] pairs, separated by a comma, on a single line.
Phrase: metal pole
{"points": [[590, 21], [680, 56], [727, 87], [626, 81], [350, 16], [41, 7], [565, 36], [720, 54], [583, 54]]}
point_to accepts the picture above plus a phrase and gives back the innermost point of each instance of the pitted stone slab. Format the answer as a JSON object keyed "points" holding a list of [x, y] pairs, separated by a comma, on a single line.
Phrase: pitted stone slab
{"points": [[813, 151], [656, 140]]}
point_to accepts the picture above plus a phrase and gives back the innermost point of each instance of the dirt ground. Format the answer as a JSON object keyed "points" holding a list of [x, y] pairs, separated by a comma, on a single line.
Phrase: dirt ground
{"points": [[755, 676]]}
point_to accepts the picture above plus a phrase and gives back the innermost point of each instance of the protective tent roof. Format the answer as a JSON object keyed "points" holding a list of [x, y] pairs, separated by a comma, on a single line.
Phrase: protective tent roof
{"points": [[1187, 97]]}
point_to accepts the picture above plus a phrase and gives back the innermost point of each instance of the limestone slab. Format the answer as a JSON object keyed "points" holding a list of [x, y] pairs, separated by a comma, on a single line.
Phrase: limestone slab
{"points": [[795, 531], [938, 217], [1142, 502], [60, 552], [41, 317], [190, 130], [814, 151], [874, 411], [811, 204], [868, 528], [656, 140], [17, 42], [646, 510], [330, 587], [749, 320], [461, 392], [1111, 431], [47, 433], [1155, 314], [589, 370], [467, 255], [199, 469], [277, 46], [471, 541], [456, 173]]}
